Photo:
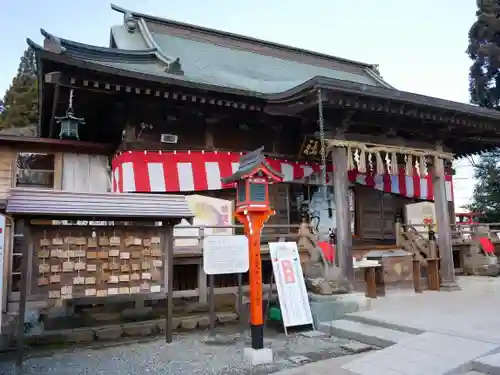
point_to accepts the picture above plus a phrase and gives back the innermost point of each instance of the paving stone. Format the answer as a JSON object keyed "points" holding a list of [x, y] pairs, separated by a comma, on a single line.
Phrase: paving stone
{"points": [[356, 347], [144, 329], [225, 317], [79, 336], [489, 364], [161, 324], [428, 353], [203, 321], [189, 323], [366, 333], [299, 359], [312, 334], [109, 333]]}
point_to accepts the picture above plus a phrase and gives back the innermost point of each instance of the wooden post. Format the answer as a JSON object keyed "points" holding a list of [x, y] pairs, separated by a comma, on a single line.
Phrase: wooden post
{"points": [[202, 277], [433, 274], [168, 249], [417, 277], [341, 191], [22, 230], [371, 282], [443, 228], [397, 231]]}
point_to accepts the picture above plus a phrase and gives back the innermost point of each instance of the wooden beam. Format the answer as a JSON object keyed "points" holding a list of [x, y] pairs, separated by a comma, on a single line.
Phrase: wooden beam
{"points": [[383, 140], [55, 79]]}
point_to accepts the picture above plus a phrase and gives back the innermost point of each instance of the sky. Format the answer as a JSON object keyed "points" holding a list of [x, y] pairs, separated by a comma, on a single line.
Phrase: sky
{"points": [[419, 46]]}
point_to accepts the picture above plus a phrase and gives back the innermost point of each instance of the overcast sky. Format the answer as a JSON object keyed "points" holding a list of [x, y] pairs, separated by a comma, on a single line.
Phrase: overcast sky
{"points": [[419, 45]]}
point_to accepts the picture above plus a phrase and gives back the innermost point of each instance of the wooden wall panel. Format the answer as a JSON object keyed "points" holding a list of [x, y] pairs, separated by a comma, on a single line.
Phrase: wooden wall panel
{"points": [[7, 172]]}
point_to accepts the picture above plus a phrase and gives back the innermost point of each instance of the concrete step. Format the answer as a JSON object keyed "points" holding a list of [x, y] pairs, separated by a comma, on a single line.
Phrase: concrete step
{"points": [[488, 365], [366, 319], [474, 372], [365, 333]]}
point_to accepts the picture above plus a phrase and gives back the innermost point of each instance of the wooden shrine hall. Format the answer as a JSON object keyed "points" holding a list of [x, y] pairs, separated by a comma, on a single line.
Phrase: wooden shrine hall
{"points": [[180, 103]]}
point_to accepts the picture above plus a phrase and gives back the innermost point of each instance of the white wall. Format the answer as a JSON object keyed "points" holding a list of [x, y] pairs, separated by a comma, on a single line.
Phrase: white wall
{"points": [[86, 173]]}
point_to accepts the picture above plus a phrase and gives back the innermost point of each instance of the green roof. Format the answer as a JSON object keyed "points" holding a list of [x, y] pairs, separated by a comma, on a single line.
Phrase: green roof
{"points": [[220, 64]]}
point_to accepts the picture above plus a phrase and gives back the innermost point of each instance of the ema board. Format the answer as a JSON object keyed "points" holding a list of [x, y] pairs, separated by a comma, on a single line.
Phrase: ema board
{"points": [[294, 302]]}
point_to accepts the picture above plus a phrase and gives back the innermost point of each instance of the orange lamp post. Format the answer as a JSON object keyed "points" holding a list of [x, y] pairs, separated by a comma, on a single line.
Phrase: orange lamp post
{"points": [[253, 209]]}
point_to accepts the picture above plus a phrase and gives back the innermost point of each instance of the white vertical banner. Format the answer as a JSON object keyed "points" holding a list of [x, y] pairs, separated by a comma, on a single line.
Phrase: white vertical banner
{"points": [[2, 262], [292, 293]]}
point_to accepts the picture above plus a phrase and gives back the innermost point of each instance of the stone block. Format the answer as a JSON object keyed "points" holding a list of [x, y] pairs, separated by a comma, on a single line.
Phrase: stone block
{"points": [[225, 317], [258, 356], [203, 321], [135, 313], [328, 308], [162, 324], [312, 334], [189, 323], [76, 337], [140, 329], [109, 333], [356, 347], [299, 360]]}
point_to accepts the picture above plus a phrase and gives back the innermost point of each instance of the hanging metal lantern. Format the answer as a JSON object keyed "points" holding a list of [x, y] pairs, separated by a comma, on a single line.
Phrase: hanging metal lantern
{"points": [[69, 123]]}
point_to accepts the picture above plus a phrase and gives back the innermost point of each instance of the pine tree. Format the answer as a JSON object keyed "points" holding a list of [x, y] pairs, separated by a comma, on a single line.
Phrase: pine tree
{"points": [[484, 50], [21, 99], [486, 196]]}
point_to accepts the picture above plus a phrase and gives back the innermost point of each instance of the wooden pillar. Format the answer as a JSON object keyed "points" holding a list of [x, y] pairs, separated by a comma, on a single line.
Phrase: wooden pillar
{"points": [[341, 191], [448, 281]]}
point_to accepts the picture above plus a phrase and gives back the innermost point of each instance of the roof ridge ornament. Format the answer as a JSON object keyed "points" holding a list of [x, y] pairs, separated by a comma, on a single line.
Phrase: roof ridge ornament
{"points": [[52, 43], [173, 65], [130, 22]]}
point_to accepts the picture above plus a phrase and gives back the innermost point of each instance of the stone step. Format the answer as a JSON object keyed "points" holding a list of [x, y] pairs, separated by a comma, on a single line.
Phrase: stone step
{"points": [[427, 353], [366, 319], [488, 365], [365, 333]]}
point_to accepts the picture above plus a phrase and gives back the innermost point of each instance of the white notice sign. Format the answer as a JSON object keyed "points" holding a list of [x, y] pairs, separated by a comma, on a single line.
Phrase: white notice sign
{"points": [[2, 254], [225, 254], [292, 292]]}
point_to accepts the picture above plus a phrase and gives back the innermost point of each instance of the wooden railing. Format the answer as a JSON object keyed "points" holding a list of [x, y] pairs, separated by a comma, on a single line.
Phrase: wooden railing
{"points": [[193, 244]]}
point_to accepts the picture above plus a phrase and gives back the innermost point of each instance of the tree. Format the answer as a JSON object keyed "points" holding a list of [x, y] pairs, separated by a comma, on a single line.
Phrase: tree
{"points": [[486, 196], [484, 50], [484, 88], [21, 99]]}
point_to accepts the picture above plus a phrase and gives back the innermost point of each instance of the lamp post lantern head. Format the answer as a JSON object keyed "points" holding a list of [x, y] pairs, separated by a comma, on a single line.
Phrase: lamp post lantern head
{"points": [[252, 181]]}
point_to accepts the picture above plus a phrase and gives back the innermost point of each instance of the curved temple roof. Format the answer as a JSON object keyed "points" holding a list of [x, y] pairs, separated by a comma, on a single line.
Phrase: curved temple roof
{"points": [[235, 61], [229, 63]]}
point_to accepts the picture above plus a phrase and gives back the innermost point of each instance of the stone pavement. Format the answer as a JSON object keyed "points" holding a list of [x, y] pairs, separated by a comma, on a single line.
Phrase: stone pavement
{"points": [[446, 333]]}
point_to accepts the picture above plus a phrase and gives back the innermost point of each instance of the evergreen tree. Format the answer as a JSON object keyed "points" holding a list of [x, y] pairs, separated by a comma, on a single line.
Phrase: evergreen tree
{"points": [[484, 87], [486, 196], [21, 99], [484, 50]]}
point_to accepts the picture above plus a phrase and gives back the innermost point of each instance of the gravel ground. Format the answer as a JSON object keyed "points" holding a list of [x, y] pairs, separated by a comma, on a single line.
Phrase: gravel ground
{"points": [[190, 353]]}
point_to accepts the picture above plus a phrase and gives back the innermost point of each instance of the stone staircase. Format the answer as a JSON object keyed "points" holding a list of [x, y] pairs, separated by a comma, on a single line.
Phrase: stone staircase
{"points": [[369, 331], [408, 351]]}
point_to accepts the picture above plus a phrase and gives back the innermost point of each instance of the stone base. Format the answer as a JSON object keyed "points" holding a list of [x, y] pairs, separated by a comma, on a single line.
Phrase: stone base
{"points": [[449, 286], [258, 356], [334, 307]]}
